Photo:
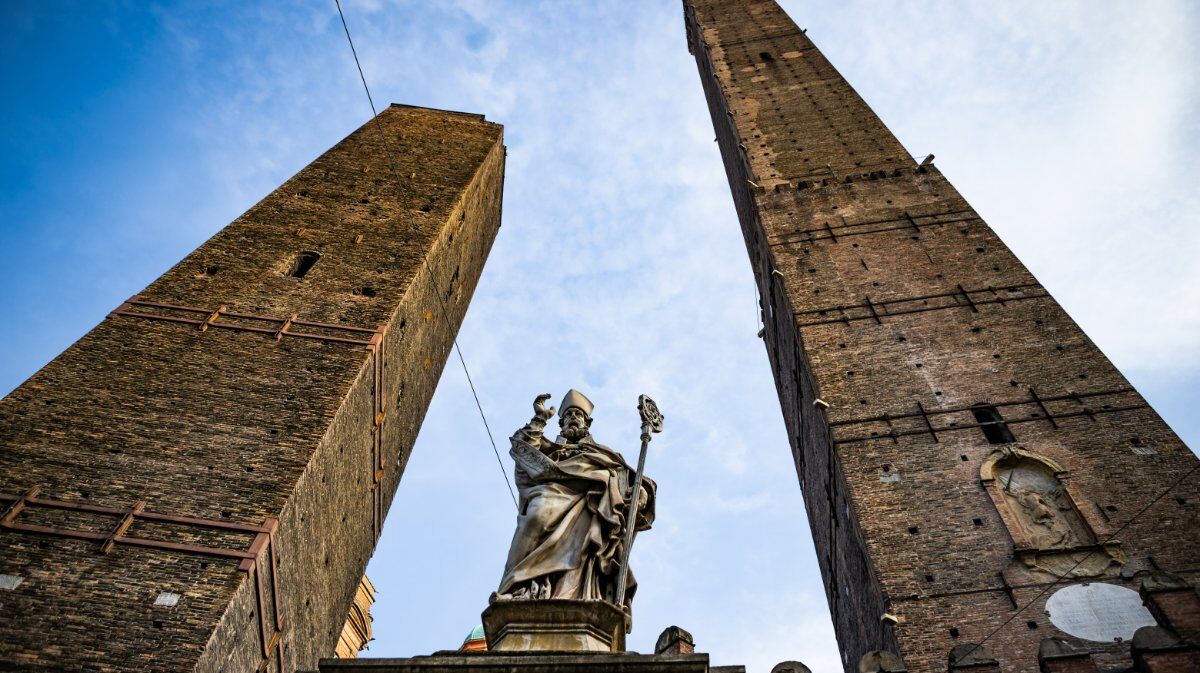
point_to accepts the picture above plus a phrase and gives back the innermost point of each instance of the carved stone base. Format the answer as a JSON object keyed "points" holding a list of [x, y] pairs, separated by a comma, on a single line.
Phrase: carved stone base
{"points": [[1076, 563], [554, 626]]}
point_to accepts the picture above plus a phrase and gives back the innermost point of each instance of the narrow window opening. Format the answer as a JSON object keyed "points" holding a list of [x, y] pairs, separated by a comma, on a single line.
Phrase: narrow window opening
{"points": [[303, 264], [992, 424]]}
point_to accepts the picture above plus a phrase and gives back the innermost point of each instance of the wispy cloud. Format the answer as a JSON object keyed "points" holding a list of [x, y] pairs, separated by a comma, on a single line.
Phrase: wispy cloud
{"points": [[620, 268]]}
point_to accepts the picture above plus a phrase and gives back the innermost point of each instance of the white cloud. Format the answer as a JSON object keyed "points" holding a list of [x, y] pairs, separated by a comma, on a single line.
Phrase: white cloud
{"points": [[620, 268]]}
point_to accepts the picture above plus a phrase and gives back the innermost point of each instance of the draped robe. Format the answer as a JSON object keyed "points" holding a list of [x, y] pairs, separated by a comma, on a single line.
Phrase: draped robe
{"points": [[570, 524]]}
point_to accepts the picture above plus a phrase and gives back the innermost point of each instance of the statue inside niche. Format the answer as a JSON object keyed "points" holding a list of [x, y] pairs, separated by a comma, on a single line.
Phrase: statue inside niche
{"points": [[1038, 500]]}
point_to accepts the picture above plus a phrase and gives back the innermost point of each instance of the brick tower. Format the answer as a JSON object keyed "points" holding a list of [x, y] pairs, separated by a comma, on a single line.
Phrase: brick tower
{"points": [[960, 443], [197, 484]]}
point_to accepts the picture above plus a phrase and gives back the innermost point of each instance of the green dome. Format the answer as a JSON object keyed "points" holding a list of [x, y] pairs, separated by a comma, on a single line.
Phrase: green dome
{"points": [[475, 634]]}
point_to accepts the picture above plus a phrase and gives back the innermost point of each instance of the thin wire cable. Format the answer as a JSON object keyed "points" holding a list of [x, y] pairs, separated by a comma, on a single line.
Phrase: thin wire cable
{"points": [[1086, 556], [433, 277]]}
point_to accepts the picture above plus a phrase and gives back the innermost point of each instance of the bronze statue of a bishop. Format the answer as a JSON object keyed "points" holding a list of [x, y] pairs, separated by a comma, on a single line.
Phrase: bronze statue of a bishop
{"points": [[574, 505]]}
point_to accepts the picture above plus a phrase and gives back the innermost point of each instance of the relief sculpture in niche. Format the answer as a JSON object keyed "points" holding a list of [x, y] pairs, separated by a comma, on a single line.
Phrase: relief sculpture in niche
{"points": [[1048, 532], [1045, 512]]}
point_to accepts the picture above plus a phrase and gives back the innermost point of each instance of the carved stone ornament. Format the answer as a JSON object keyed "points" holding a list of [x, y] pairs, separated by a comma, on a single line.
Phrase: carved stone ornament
{"points": [[968, 655], [881, 661], [1051, 538]]}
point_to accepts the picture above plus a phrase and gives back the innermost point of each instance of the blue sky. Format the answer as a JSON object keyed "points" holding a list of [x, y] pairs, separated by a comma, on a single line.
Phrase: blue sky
{"points": [[134, 131]]}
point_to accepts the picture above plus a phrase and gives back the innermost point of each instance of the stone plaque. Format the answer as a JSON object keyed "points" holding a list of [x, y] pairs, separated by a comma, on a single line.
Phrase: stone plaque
{"points": [[1098, 612]]}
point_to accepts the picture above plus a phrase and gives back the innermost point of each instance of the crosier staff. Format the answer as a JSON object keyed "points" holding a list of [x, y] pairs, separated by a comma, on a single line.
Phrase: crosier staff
{"points": [[652, 421]]}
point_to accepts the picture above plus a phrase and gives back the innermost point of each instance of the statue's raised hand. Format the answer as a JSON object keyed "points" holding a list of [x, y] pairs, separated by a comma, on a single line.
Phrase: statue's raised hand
{"points": [[539, 408]]}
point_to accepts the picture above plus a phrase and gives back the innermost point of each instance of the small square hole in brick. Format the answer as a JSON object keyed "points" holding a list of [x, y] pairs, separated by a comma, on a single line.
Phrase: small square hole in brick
{"points": [[977, 522], [928, 578], [912, 530]]}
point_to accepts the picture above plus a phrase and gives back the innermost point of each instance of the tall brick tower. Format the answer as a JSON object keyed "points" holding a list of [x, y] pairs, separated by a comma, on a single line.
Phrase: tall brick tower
{"points": [[197, 484], [960, 443]]}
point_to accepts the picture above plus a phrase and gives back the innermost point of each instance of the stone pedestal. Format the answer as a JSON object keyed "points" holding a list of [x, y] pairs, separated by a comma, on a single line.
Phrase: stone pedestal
{"points": [[554, 626], [530, 662]]}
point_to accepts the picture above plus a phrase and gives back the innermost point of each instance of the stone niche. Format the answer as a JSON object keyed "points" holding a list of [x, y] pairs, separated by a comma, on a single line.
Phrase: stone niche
{"points": [[1051, 537]]}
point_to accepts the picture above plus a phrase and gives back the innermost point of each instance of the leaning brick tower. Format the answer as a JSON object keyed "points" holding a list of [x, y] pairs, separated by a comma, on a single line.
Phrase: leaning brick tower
{"points": [[964, 449], [197, 484]]}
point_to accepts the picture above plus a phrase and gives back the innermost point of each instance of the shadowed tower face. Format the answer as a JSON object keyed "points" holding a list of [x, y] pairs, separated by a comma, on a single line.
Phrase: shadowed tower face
{"points": [[960, 443], [197, 484]]}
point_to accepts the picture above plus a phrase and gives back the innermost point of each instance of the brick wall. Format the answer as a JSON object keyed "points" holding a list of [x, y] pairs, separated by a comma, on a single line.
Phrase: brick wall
{"points": [[887, 297], [306, 424]]}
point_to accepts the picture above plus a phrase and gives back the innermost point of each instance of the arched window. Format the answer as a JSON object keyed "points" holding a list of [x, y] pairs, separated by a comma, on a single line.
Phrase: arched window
{"points": [[304, 263], [992, 424]]}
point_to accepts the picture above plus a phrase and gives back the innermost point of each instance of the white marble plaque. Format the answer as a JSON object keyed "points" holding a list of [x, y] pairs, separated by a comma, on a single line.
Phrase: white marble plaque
{"points": [[1097, 611], [167, 599]]}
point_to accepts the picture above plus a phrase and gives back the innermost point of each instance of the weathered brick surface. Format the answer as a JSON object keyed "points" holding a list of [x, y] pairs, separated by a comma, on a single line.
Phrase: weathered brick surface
{"points": [[883, 290], [238, 426]]}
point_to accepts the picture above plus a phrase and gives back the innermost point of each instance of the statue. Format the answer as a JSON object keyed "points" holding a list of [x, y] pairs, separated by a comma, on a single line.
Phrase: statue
{"points": [[570, 541]]}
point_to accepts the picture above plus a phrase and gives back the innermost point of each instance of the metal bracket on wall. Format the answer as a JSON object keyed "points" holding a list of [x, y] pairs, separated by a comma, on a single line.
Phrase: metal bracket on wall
{"points": [[205, 318], [1042, 413], [906, 222], [260, 554], [378, 463], [959, 298], [291, 327]]}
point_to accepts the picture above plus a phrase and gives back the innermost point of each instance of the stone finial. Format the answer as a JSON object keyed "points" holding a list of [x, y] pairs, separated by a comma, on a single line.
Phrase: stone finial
{"points": [[790, 667], [1155, 638], [1173, 602], [1057, 655], [1157, 649], [1058, 647], [880, 661], [1153, 581], [971, 655], [674, 640]]}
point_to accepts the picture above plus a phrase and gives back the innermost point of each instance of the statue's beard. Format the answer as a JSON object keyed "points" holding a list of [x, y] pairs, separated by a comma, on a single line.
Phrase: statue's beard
{"points": [[574, 431]]}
